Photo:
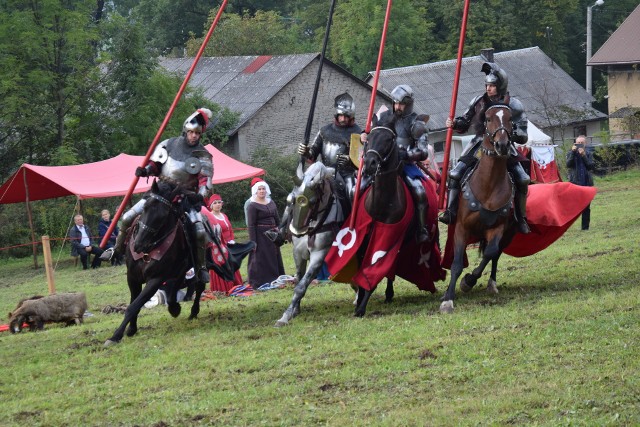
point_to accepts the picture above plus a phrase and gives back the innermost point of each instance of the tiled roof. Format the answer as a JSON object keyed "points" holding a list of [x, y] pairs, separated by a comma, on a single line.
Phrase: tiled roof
{"points": [[624, 112], [533, 78], [623, 46], [241, 83]]}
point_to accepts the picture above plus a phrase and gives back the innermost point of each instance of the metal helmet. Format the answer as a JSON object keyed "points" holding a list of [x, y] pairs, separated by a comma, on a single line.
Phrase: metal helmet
{"points": [[198, 120], [403, 94], [345, 105], [495, 76]]}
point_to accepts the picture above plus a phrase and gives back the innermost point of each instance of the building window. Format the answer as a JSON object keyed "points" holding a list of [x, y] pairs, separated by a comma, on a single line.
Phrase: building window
{"points": [[438, 147], [579, 130]]}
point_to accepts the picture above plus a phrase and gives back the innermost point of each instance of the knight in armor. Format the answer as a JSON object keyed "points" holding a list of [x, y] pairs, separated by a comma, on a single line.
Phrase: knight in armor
{"points": [[185, 162], [332, 145], [496, 82], [411, 137]]}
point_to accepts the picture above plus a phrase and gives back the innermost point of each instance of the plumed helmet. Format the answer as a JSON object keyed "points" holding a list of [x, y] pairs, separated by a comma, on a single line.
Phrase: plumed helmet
{"points": [[496, 76], [198, 120], [403, 94], [345, 105]]}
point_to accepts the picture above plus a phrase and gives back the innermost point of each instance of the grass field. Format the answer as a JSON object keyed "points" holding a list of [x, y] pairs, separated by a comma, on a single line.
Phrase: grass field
{"points": [[558, 345]]}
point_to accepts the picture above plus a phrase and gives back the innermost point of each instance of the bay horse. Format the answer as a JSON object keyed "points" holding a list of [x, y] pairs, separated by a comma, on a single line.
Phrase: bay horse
{"points": [[484, 212], [386, 200], [314, 224], [160, 236]]}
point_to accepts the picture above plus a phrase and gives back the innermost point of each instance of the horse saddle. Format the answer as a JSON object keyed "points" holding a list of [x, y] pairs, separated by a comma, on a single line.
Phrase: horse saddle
{"points": [[487, 217]]}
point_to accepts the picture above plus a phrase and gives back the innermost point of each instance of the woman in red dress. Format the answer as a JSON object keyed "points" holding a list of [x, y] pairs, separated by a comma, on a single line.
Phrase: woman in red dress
{"points": [[218, 219]]}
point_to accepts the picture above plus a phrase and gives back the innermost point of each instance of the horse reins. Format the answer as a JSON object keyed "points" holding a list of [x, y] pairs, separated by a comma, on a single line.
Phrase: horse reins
{"points": [[491, 136], [382, 159], [152, 230]]}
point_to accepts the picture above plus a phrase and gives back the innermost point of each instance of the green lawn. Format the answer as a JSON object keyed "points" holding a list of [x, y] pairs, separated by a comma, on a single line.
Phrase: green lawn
{"points": [[557, 346]]}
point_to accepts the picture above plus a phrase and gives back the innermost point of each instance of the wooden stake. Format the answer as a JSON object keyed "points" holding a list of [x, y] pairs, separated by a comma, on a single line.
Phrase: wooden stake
{"points": [[48, 264]]}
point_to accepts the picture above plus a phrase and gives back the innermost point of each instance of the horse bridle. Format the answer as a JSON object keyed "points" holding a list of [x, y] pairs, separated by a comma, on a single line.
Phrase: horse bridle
{"points": [[491, 136], [382, 160], [152, 230]]}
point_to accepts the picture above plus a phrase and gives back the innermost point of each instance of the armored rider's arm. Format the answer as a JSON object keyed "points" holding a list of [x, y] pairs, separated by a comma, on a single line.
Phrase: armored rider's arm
{"points": [[462, 123], [156, 160], [519, 122], [419, 132], [315, 148], [205, 177]]}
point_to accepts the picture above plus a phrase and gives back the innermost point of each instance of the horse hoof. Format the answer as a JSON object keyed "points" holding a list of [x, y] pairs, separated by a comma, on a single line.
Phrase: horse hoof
{"points": [[492, 287], [463, 285], [358, 314], [174, 309], [446, 307], [281, 323], [468, 282], [109, 343]]}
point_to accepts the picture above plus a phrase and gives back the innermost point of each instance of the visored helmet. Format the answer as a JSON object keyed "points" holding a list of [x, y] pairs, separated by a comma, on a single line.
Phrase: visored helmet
{"points": [[496, 76], [403, 94], [198, 120], [345, 105]]}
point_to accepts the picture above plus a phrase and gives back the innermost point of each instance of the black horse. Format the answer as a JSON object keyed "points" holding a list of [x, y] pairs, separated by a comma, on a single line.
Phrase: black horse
{"points": [[158, 251]]}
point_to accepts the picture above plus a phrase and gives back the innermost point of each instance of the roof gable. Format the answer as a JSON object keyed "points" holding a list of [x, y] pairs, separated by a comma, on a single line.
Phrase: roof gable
{"points": [[241, 83], [623, 46], [533, 78]]}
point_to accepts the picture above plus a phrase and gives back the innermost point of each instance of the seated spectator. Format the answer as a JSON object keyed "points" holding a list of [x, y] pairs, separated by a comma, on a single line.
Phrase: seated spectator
{"points": [[103, 226], [80, 237]]}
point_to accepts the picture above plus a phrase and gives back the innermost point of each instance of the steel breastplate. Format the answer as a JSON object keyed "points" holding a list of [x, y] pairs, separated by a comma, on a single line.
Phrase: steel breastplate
{"points": [[183, 161], [403, 131], [179, 171], [336, 141]]}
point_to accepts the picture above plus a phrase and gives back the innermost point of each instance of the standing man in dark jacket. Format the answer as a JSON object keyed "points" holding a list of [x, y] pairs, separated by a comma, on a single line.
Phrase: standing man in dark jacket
{"points": [[81, 246], [580, 165]]}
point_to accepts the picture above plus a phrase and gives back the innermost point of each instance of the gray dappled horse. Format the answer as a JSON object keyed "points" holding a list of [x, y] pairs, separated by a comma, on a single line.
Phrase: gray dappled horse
{"points": [[484, 212], [315, 220]]}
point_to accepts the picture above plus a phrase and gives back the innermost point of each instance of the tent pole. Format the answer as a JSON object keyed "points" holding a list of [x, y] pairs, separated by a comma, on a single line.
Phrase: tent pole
{"points": [[132, 187], [33, 234]]}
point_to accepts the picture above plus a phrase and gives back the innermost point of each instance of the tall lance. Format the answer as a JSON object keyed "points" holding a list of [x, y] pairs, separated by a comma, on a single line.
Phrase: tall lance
{"points": [[452, 108], [307, 131], [374, 91], [127, 196]]}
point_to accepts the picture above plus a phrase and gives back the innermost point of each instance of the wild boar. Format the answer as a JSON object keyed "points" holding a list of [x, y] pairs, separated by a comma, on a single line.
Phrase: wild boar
{"points": [[65, 307]]}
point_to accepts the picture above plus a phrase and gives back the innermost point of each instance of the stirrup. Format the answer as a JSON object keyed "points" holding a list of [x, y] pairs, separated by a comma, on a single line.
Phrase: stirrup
{"points": [[446, 217], [203, 275], [523, 227], [107, 254]]}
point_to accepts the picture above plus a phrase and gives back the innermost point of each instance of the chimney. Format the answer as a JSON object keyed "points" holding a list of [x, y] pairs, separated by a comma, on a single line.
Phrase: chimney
{"points": [[487, 54]]}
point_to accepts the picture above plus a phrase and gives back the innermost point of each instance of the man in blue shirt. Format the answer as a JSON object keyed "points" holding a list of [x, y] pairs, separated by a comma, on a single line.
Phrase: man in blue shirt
{"points": [[80, 237]]}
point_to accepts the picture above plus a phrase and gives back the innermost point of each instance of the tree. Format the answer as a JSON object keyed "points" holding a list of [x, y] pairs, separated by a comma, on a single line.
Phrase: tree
{"points": [[265, 33], [357, 28], [47, 69]]}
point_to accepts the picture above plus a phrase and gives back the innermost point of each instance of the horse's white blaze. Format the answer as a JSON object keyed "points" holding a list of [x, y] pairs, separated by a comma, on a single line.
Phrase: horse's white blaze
{"points": [[500, 113]]}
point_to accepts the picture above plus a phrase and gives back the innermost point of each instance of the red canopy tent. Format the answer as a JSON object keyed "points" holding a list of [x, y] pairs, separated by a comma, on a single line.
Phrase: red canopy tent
{"points": [[107, 178]]}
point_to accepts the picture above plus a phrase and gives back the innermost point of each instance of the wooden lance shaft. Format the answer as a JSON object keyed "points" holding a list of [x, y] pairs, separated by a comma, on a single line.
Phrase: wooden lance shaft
{"points": [[132, 187], [372, 102], [452, 108]]}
